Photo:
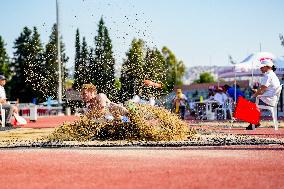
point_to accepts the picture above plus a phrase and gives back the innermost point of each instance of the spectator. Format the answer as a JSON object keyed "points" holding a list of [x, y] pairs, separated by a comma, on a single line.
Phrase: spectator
{"points": [[211, 92], [231, 92], [220, 97], [180, 102], [9, 109]]}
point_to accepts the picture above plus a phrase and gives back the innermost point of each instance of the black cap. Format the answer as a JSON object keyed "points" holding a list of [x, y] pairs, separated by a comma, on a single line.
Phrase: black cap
{"points": [[2, 77]]}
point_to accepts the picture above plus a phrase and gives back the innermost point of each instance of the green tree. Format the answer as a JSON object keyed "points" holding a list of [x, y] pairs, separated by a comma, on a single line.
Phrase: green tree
{"points": [[51, 65], [103, 65], [19, 88], [117, 84], [154, 70], [4, 60], [82, 67], [5, 65], [92, 65], [154, 67], [175, 70], [132, 75], [85, 70], [76, 84], [205, 78], [33, 72]]}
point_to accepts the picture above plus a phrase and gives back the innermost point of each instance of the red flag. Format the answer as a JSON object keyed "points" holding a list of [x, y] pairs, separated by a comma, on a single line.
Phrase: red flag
{"points": [[247, 111]]}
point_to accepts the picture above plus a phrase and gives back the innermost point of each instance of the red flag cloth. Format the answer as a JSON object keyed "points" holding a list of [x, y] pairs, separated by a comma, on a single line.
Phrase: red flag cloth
{"points": [[247, 111]]}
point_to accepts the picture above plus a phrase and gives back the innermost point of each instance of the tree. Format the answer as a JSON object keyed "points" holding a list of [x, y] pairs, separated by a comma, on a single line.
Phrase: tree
{"points": [[51, 65], [132, 75], [103, 65], [4, 60], [5, 65], [33, 72], [154, 70], [205, 78], [109, 70], [85, 69], [19, 88], [76, 84], [175, 70], [154, 67], [82, 67], [92, 65]]}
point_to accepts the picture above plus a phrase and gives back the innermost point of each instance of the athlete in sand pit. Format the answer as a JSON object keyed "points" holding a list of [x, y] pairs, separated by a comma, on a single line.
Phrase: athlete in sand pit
{"points": [[99, 105]]}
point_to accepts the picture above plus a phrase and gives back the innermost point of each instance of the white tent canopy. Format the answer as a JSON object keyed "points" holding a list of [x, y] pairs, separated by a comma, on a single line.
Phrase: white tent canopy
{"points": [[250, 66]]}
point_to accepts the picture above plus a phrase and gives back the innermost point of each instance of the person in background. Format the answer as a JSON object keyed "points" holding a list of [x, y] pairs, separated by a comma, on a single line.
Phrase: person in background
{"points": [[268, 86], [211, 92], [180, 102], [9, 109], [231, 92], [219, 97]]}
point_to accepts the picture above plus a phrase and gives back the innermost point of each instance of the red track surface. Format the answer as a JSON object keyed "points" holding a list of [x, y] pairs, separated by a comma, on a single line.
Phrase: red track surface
{"points": [[229, 167], [204, 167], [263, 132], [51, 121]]}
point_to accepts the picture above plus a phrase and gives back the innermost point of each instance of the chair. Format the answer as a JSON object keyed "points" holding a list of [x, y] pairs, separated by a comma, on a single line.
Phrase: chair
{"points": [[272, 109], [2, 116], [222, 109]]}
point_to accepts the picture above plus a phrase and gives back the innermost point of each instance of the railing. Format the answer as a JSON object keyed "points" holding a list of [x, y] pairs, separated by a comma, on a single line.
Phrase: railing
{"points": [[41, 111]]}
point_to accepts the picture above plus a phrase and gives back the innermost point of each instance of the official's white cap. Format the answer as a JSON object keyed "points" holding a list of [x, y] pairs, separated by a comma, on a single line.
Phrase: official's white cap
{"points": [[266, 62]]}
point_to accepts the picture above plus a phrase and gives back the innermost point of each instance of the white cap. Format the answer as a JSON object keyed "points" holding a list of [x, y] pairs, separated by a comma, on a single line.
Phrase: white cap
{"points": [[266, 62]]}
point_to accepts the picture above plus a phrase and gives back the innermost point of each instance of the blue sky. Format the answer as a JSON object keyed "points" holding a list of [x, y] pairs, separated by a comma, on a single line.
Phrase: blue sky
{"points": [[199, 32]]}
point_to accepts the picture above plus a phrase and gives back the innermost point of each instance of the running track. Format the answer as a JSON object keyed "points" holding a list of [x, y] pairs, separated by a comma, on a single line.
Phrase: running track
{"points": [[221, 168], [186, 167]]}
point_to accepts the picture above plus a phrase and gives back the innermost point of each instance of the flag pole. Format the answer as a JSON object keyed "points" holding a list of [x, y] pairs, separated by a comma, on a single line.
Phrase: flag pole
{"points": [[235, 85], [235, 82], [58, 56]]}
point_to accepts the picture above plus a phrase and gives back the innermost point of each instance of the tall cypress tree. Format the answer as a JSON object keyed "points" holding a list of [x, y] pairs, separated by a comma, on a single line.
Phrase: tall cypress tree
{"points": [[98, 58], [4, 60], [5, 66], [109, 63], [85, 67], [92, 65], [154, 67], [103, 67], [51, 65], [154, 70], [82, 66], [33, 74], [19, 88], [132, 71], [76, 84]]}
